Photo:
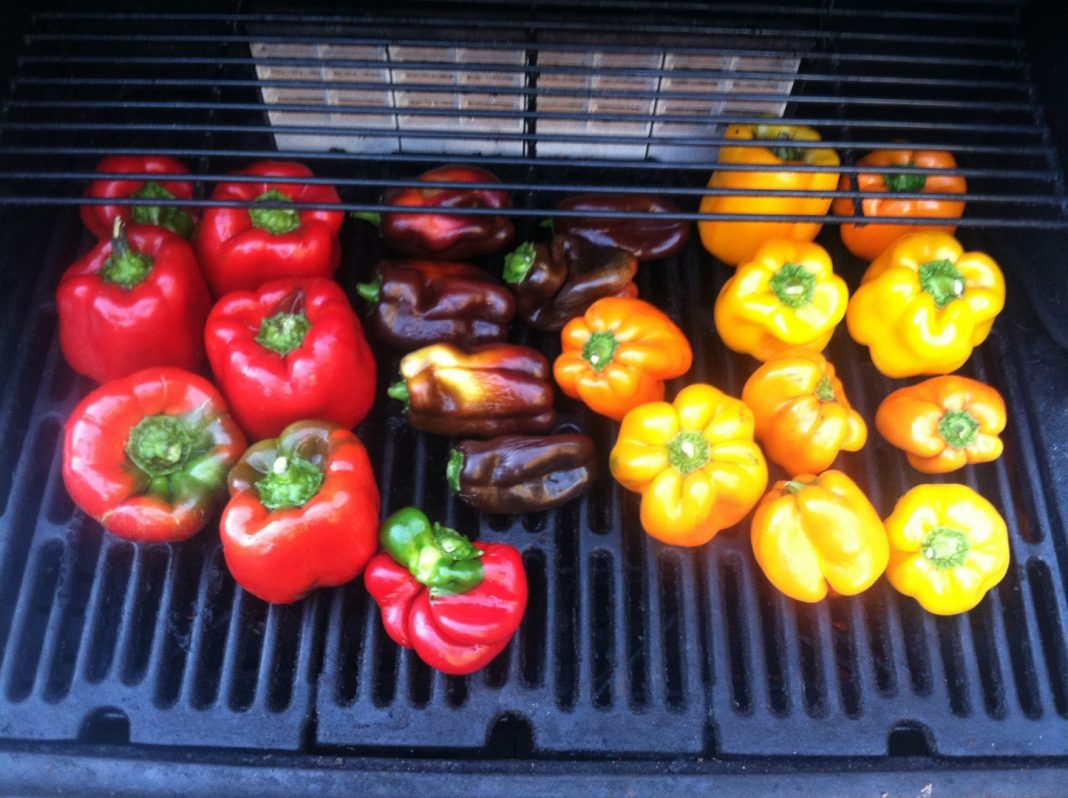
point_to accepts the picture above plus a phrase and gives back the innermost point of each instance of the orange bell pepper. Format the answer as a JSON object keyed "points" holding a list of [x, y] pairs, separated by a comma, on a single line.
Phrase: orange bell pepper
{"points": [[815, 534], [869, 241], [618, 355], [803, 418], [944, 423]]}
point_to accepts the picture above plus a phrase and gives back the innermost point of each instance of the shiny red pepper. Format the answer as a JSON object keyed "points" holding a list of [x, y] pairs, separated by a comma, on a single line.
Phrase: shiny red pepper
{"points": [[456, 603], [293, 349], [135, 301], [446, 236], [650, 238], [242, 248], [100, 219]]}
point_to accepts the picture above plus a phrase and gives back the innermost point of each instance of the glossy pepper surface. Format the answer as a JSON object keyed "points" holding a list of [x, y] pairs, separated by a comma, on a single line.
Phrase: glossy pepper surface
{"points": [[133, 302], [455, 602], [948, 547], [651, 238], [618, 354], [522, 473], [737, 242], [786, 296], [240, 249], [924, 304], [100, 219], [303, 512], [694, 463], [869, 241], [291, 350], [944, 423], [441, 236], [484, 391], [803, 418], [557, 281], [147, 455], [418, 302]]}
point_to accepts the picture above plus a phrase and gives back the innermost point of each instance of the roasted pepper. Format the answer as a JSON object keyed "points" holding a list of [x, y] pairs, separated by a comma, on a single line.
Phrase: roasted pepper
{"points": [[147, 455], [303, 512], [944, 423], [737, 242], [133, 302], [291, 350], [653, 237], [418, 302], [455, 602], [521, 473], [693, 461], [948, 547], [618, 355], [557, 281], [442, 236], [815, 534], [803, 418], [485, 391], [924, 304], [869, 241], [786, 296], [100, 219], [240, 249]]}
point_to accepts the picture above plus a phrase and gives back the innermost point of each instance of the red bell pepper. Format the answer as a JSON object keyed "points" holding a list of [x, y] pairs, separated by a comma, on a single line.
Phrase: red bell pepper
{"points": [[303, 512], [455, 602], [133, 302], [147, 455], [242, 248], [100, 219]]}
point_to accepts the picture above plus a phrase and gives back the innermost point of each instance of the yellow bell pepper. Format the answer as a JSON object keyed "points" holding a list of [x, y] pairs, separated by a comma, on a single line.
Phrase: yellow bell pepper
{"points": [[948, 547], [786, 296], [814, 534], [924, 304], [736, 242], [693, 461]]}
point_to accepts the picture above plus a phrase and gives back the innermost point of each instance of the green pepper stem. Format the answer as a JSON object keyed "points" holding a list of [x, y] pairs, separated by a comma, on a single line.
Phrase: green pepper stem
{"points": [[399, 391], [124, 267], [825, 390], [159, 445], [454, 469], [169, 216], [942, 280], [283, 332], [793, 284], [958, 428], [291, 482], [368, 216], [794, 486], [945, 547], [688, 451], [517, 264], [782, 153], [371, 292], [902, 182], [600, 349], [276, 221]]}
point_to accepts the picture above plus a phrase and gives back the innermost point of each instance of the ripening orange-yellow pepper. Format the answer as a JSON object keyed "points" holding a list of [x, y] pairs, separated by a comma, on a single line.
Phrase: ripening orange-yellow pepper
{"points": [[948, 547], [816, 534], [803, 418], [924, 304], [694, 463]]}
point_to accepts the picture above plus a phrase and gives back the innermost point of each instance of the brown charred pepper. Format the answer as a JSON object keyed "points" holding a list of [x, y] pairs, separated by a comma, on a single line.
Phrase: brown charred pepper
{"points": [[557, 281], [522, 473], [646, 239], [482, 392], [419, 302]]}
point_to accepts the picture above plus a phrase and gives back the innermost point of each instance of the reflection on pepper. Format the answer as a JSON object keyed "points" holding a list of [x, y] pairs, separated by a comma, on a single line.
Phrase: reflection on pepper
{"points": [[651, 238]]}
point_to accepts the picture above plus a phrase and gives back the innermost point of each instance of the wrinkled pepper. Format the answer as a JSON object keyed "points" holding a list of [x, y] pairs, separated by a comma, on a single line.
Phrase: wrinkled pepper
{"points": [[948, 547], [414, 303], [440, 236], [944, 423], [694, 463], [147, 455], [482, 392], [803, 418], [521, 473], [456, 603], [786, 296], [813, 535], [653, 237], [133, 302], [924, 304], [240, 249], [869, 241], [618, 354], [737, 242], [303, 512], [100, 219], [291, 350], [557, 281]]}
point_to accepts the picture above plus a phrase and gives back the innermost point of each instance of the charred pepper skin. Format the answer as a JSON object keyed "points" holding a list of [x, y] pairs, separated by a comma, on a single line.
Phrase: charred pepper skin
{"points": [[522, 473], [651, 238], [415, 303]]}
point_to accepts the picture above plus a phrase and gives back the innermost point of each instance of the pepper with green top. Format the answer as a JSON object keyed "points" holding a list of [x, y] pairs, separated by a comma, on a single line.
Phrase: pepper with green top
{"points": [[154, 177]]}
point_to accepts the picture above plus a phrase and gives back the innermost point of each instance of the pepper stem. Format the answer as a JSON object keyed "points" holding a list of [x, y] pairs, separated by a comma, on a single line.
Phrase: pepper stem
{"points": [[370, 292], [795, 486], [276, 221], [454, 469], [124, 267], [169, 216], [942, 280], [517, 264], [688, 451], [399, 391], [945, 547], [900, 182], [159, 445], [825, 390], [600, 349], [793, 284], [368, 216], [958, 428], [283, 332], [292, 482], [782, 153]]}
